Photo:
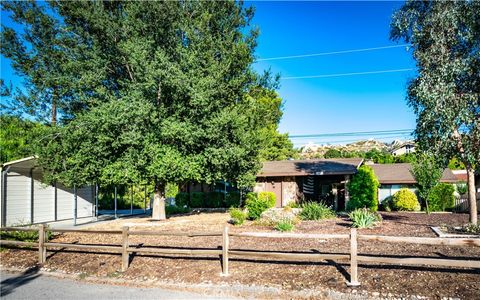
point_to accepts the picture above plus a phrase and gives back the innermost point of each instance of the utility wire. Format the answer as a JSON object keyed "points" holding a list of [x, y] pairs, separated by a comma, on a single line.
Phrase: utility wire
{"points": [[347, 74], [332, 53], [358, 133]]}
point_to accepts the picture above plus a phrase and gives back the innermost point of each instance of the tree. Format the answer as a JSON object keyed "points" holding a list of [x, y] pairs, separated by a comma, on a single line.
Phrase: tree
{"points": [[268, 112], [445, 37], [363, 189], [38, 55], [427, 173], [17, 138], [165, 94]]}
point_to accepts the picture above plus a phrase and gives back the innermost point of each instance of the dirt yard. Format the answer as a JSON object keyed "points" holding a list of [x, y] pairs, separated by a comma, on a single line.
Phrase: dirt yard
{"points": [[377, 279]]}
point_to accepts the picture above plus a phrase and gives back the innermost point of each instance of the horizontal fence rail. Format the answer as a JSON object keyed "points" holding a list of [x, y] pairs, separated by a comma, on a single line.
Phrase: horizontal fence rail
{"points": [[125, 249]]}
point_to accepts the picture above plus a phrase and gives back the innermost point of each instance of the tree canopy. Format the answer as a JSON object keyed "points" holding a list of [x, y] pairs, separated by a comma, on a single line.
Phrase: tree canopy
{"points": [[445, 37], [160, 91]]}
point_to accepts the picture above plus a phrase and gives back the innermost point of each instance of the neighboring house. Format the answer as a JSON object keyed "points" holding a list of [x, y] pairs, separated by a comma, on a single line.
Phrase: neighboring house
{"points": [[461, 175], [393, 177], [405, 148], [26, 200], [315, 180]]}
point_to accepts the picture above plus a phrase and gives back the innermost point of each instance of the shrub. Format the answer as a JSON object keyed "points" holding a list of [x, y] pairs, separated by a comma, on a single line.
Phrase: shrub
{"points": [[441, 197], [405, 200], [175, 210], [24, 236], [232, 199], [181, 199], [462, 188], [267, 197], [363, 190], [364, 218], [285, 225], [316, 211], [257, 204], [293, 204], [237, 216], [387, 204], [214, 199], [197, 200]]}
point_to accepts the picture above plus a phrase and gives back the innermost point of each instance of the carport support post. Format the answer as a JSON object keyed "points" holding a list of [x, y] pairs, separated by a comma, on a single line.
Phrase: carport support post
{"points": [[125, 257], [42, 251], [353, 259], [225, 251], [145, 201], [131, 200], [96, 199], [74, 204], [115, 205]]}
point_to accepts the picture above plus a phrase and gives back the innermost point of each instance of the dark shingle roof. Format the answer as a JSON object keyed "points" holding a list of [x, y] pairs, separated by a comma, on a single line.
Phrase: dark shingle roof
{"points": [[338, 166], [400, 173]]}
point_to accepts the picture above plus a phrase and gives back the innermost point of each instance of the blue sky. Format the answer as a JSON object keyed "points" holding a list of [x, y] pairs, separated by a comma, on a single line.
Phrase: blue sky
{"points": [[341, 104]]}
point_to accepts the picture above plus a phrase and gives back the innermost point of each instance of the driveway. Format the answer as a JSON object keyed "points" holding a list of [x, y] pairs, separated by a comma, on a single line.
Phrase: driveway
{"points": [[32, 285]]}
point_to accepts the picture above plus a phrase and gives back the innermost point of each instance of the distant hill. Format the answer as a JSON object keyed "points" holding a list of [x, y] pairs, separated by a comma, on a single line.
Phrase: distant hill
{"points": [[311, 150]]}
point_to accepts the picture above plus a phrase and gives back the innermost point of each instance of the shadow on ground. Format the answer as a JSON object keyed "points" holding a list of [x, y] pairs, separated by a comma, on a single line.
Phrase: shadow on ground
{"points": [[8, 285]]}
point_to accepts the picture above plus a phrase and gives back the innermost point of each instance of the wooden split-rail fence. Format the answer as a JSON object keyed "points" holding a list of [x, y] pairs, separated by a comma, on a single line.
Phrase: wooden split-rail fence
{"points": [[225, 251]]}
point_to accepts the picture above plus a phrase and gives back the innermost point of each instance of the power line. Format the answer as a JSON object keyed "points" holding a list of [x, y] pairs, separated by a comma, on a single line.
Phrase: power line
{"points": [[332, 53], [347, 74], [357, 133]]}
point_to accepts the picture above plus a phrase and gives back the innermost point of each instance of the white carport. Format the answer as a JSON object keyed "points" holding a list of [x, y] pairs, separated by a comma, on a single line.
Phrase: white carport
{"points": [[26, 200]]}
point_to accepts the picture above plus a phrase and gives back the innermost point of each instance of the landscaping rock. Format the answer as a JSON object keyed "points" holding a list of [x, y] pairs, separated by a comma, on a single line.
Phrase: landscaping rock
{"points": [[274, 215]]}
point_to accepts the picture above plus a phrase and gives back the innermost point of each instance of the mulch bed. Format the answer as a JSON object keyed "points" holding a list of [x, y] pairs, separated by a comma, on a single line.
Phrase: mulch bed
{"points": [[377, 279]]}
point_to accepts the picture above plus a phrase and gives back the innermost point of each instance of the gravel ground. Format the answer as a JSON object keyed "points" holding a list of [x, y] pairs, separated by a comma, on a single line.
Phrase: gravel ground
{"points": [[377, 280]]}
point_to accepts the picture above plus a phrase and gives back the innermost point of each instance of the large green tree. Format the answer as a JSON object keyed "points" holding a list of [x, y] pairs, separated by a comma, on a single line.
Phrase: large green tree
{"points": [[165, 89], [445, 95], [36, 49]]}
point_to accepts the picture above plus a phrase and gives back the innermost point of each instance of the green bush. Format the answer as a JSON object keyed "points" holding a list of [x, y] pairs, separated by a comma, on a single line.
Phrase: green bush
{"points": [[405, 200], [441, 197], [363, 189], [24, 236], [364, 218], [237, 216], [316, 211], [232, 199], [293, 204], [462, 188], [214, 199], [387, 204], [285, 224], [198, 199], [257, 204], [175, 210], [181, 199], [267, 197]]}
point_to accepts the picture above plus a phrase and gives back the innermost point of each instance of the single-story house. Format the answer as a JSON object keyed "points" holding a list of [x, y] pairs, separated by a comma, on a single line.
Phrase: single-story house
{"points": [[26, 200], [393, 177], [315, 180]]}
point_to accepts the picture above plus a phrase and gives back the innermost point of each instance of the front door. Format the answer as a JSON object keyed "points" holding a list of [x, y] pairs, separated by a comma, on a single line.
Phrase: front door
{"points": [[274, 184]]}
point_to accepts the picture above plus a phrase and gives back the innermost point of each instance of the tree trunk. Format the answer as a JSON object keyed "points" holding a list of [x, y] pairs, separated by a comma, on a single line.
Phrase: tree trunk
{"points": [[54, 109], [472, 197], [158, 210]]}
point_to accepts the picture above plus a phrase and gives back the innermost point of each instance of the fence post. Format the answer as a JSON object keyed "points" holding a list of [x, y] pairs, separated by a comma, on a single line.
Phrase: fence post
{"points": [[353, 259], [225, 251], [42, 250], [125, 257]]}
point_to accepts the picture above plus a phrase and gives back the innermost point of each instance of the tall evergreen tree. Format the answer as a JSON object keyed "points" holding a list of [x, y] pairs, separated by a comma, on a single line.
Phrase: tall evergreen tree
{"points": [[37, 55], [445, 37]]}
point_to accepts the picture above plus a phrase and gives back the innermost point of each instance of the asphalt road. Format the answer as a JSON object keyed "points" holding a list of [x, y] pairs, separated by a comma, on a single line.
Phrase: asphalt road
{"points": [[32, 285]]}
